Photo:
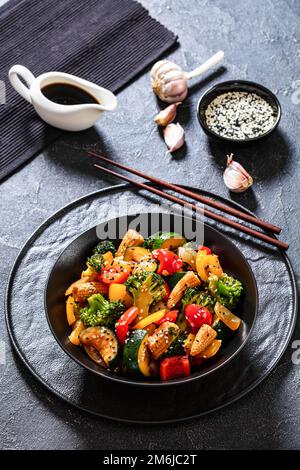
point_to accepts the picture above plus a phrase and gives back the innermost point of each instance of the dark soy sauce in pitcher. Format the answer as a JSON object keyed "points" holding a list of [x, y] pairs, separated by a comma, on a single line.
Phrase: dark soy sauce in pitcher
{"points": [[67, 94]]}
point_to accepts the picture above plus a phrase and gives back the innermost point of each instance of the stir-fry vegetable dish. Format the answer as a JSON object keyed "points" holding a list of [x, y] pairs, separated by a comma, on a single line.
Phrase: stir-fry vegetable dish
{"points": [[156, 307]]}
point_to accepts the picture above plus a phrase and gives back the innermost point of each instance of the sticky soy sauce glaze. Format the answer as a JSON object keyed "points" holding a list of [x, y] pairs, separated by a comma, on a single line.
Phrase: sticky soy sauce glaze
{"points": [[67, 94]]}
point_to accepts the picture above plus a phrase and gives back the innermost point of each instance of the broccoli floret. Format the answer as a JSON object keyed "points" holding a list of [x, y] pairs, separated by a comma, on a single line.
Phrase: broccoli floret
{"points": [[147, 288], [96, 262], [176, 347], [194, 295], [101, 312], [103, 247], [212, 284], [229, 291], [149, 242]]}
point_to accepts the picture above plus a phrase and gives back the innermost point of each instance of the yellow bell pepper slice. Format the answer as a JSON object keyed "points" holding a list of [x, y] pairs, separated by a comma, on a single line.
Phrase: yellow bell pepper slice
{"points": [[206, 265], [70, 303], [226, 316], [212, 349], [108, 259], [74, 336], [153, 318], [116, 292]]}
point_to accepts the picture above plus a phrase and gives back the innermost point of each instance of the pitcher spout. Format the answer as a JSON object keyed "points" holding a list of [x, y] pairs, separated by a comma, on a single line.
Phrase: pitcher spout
{"points": [[107, 100]]}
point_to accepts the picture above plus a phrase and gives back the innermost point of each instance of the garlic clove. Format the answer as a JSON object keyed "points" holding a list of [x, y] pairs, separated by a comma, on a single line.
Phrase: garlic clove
{"points": [[236, 178], [161, 68], [167, 115], [175, 98], [174, 136], [175, 88], [173, 75], [156, 67]]}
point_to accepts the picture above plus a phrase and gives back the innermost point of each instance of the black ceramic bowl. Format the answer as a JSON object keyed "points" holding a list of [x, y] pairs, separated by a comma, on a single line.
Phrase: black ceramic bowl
{"points": [[72, 260], [236, 85]]}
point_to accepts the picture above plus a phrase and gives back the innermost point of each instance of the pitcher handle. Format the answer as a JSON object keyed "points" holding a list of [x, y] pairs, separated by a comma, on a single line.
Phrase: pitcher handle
{"points": [[26, 75]]}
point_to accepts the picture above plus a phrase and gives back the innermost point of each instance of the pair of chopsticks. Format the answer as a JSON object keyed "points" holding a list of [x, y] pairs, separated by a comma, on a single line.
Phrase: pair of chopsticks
{"points": [[203, 199]]}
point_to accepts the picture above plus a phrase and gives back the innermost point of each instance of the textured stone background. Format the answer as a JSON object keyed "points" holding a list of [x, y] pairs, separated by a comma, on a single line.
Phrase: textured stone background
{"points": [[261, 43]]}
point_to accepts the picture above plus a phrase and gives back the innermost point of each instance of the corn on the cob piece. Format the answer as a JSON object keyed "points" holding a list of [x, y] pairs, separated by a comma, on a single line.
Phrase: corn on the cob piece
{"points": [[161, 339], [131, 238], [188, 343], [82, 280], [204, 338], [188, 280], [83, 291]]}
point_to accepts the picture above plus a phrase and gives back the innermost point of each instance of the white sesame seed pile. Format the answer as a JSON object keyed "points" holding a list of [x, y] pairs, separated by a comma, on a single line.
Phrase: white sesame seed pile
{"points": [[240, 115]]}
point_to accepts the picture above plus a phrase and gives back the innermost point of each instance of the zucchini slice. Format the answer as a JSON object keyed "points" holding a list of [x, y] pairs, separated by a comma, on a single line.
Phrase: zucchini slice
{"points": [[169, 240], [182, 321], [135, 253], [104, 341], [223, 332], [136, 355], [95, 356], [172, 280]]}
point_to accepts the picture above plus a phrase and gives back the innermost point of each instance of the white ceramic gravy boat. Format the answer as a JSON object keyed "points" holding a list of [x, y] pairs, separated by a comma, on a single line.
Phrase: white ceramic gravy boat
{"points": [[75, 117]]}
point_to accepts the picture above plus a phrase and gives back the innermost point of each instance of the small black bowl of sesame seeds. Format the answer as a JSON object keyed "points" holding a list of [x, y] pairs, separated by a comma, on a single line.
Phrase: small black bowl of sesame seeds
{"points": [[238, 111]]}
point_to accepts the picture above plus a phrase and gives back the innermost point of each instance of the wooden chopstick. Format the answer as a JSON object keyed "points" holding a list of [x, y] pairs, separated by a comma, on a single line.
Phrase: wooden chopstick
{"points": [[194, 207], [205, 200]]}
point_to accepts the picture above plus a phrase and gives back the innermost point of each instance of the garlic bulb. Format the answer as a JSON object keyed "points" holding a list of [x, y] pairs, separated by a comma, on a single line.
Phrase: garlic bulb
{"points": [[167, 115], [170, 83], [174, 136], [236, 178]]}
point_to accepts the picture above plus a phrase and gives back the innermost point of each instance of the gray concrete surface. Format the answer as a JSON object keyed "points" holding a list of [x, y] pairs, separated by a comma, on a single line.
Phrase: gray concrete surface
{"points": [[261, 43]]}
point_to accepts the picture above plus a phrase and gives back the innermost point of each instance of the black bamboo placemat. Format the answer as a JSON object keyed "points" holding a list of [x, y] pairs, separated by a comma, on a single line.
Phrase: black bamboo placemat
{"points": [[106, 41]]}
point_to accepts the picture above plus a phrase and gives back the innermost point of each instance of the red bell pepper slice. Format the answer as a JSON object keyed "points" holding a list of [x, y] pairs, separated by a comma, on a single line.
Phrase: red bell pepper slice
{"points": [[114, 275], [122, 325], [169, 263], [170, 316], [197, 316], [174, 367], [205, 248]]}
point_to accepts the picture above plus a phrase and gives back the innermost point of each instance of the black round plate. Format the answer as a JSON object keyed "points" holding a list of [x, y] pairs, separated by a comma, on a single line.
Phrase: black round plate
{"points": [[37, 348], [71, 262], [236, 85]]}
